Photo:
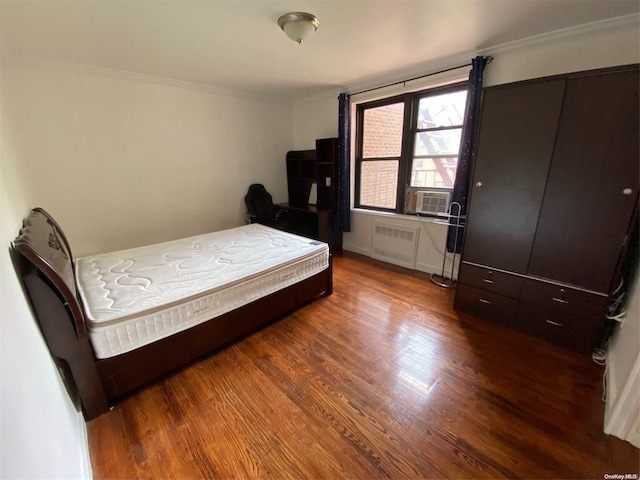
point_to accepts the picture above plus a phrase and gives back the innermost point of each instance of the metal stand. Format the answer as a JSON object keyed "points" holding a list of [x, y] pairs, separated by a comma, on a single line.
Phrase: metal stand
{"points": [[456, 221]]}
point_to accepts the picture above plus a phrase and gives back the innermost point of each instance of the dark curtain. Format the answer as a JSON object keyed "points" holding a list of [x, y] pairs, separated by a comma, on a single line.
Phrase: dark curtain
{"points": [[342, 222], [467, 151]]}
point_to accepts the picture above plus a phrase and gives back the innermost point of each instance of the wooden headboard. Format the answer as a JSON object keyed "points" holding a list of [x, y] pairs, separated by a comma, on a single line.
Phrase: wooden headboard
{"points": [[44, 246]]}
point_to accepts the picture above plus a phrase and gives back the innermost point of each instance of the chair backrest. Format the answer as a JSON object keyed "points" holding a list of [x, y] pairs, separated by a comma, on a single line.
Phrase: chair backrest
{"points": [[259, 202]]}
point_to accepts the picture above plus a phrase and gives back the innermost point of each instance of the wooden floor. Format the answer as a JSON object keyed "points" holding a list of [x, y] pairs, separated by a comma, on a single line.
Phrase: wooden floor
{"points": [[380, 380]]}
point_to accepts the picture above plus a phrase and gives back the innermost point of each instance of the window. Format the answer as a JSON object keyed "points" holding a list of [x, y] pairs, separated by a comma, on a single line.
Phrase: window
{"points": [[407, 143]]}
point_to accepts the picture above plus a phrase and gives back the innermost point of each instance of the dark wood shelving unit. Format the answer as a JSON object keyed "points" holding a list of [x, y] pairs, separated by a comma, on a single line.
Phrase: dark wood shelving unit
{"points": [[304, 169], [327, 172], [301, 173]]}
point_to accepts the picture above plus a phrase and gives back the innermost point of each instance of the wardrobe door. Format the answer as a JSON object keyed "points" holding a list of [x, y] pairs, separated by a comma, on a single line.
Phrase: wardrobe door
{"points": [[593, 183], [517, 134]]}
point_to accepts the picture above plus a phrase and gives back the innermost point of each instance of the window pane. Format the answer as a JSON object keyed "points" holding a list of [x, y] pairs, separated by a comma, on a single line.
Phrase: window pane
{"points": [[434, 172], [382, 135], [439, 142], [378, 183], [442, 110]]}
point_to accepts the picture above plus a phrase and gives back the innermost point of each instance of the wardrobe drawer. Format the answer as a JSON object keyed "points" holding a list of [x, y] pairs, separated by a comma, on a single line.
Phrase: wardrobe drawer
{"points": [[564, 299], [491, 280], [577, 333], [485, 304]]}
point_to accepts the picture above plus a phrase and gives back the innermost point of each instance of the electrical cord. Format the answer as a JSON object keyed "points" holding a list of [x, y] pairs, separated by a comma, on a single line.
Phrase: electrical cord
{"points": [[433, 242], [619, 317], [599, 356], [604, 383], [617, 310], [619, 286]]}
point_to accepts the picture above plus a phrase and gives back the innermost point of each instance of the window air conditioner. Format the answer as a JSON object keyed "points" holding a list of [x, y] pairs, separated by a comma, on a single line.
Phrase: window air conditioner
{"points": [[432, 202]]}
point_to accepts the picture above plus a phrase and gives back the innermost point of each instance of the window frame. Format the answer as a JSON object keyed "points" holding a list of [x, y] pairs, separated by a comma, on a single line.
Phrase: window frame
{"points": [[409, 131]]}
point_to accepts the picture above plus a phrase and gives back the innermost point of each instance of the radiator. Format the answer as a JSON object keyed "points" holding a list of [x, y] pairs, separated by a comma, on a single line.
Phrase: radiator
{"points": [[395, 244]]}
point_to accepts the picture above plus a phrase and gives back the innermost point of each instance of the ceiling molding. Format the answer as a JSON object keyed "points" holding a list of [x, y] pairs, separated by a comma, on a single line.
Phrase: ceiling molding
{"points": [[451, 61], [617, 23], [9, 58], [577, 31]]}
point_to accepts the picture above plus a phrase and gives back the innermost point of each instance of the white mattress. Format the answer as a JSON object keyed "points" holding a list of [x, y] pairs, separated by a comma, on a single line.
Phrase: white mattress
{"points": [[134, 297]]}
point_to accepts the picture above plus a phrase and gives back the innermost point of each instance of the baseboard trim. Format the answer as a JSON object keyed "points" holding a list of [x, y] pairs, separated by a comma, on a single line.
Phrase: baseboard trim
{"points": [[355, 249], [421, 267], [426, 268], [85, 456], [610, 390]]}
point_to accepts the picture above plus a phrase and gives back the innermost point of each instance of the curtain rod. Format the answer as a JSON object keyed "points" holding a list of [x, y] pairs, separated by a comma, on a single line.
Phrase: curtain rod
{"points": [[489, 60]]}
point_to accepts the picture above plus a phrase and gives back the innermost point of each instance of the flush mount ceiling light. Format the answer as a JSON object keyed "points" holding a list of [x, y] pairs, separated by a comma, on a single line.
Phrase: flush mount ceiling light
{"points": [[299, 26]]}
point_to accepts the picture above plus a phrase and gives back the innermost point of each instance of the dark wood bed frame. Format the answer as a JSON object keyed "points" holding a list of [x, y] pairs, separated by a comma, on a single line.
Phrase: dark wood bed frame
{"points": [[43, 260]]}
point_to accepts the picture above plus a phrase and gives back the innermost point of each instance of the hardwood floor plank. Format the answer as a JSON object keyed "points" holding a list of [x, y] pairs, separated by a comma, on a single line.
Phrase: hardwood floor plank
{"points": [[383, 379], [277, 421], [336, 381], [345, 416], [380, 406], [379, 403]]}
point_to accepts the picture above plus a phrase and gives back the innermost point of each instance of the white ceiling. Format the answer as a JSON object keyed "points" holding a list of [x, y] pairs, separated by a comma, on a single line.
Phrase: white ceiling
{"points": [[237, 45]]}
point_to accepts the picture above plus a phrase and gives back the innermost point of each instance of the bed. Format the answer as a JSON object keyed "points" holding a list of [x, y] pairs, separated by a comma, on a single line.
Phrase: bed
{"points": [[122, 319]]}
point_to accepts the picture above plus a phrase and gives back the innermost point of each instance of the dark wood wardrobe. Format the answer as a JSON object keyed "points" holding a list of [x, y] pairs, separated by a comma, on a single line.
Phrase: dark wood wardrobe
{"points": [[553, 203]]}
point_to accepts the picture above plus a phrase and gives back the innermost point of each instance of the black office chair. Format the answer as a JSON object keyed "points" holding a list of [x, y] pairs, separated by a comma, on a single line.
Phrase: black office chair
{"points": [[261, 209]]}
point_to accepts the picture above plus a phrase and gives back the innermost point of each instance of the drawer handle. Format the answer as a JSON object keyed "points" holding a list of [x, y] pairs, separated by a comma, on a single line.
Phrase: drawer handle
{"points": [[485, 301], [559, 300], [486, 280], [554, 323]]}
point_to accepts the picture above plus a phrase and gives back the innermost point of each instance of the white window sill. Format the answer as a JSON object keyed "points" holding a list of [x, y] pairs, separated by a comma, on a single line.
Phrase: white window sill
{"points": [[397, 216]]}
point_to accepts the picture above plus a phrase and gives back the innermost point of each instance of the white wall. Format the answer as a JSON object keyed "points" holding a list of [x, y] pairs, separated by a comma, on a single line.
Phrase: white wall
{"points": [[119, 161], [41, 433], [622, 416], [315, 119], [626, 340], [610, 44]]}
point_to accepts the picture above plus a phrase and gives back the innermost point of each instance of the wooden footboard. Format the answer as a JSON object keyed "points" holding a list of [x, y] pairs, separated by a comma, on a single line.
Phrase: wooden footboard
{"points": [[43, 260], [125, 372]]}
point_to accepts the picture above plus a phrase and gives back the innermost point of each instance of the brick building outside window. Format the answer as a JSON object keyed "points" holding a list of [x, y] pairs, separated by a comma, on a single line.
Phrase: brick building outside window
{"points": [[407, 143]]}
